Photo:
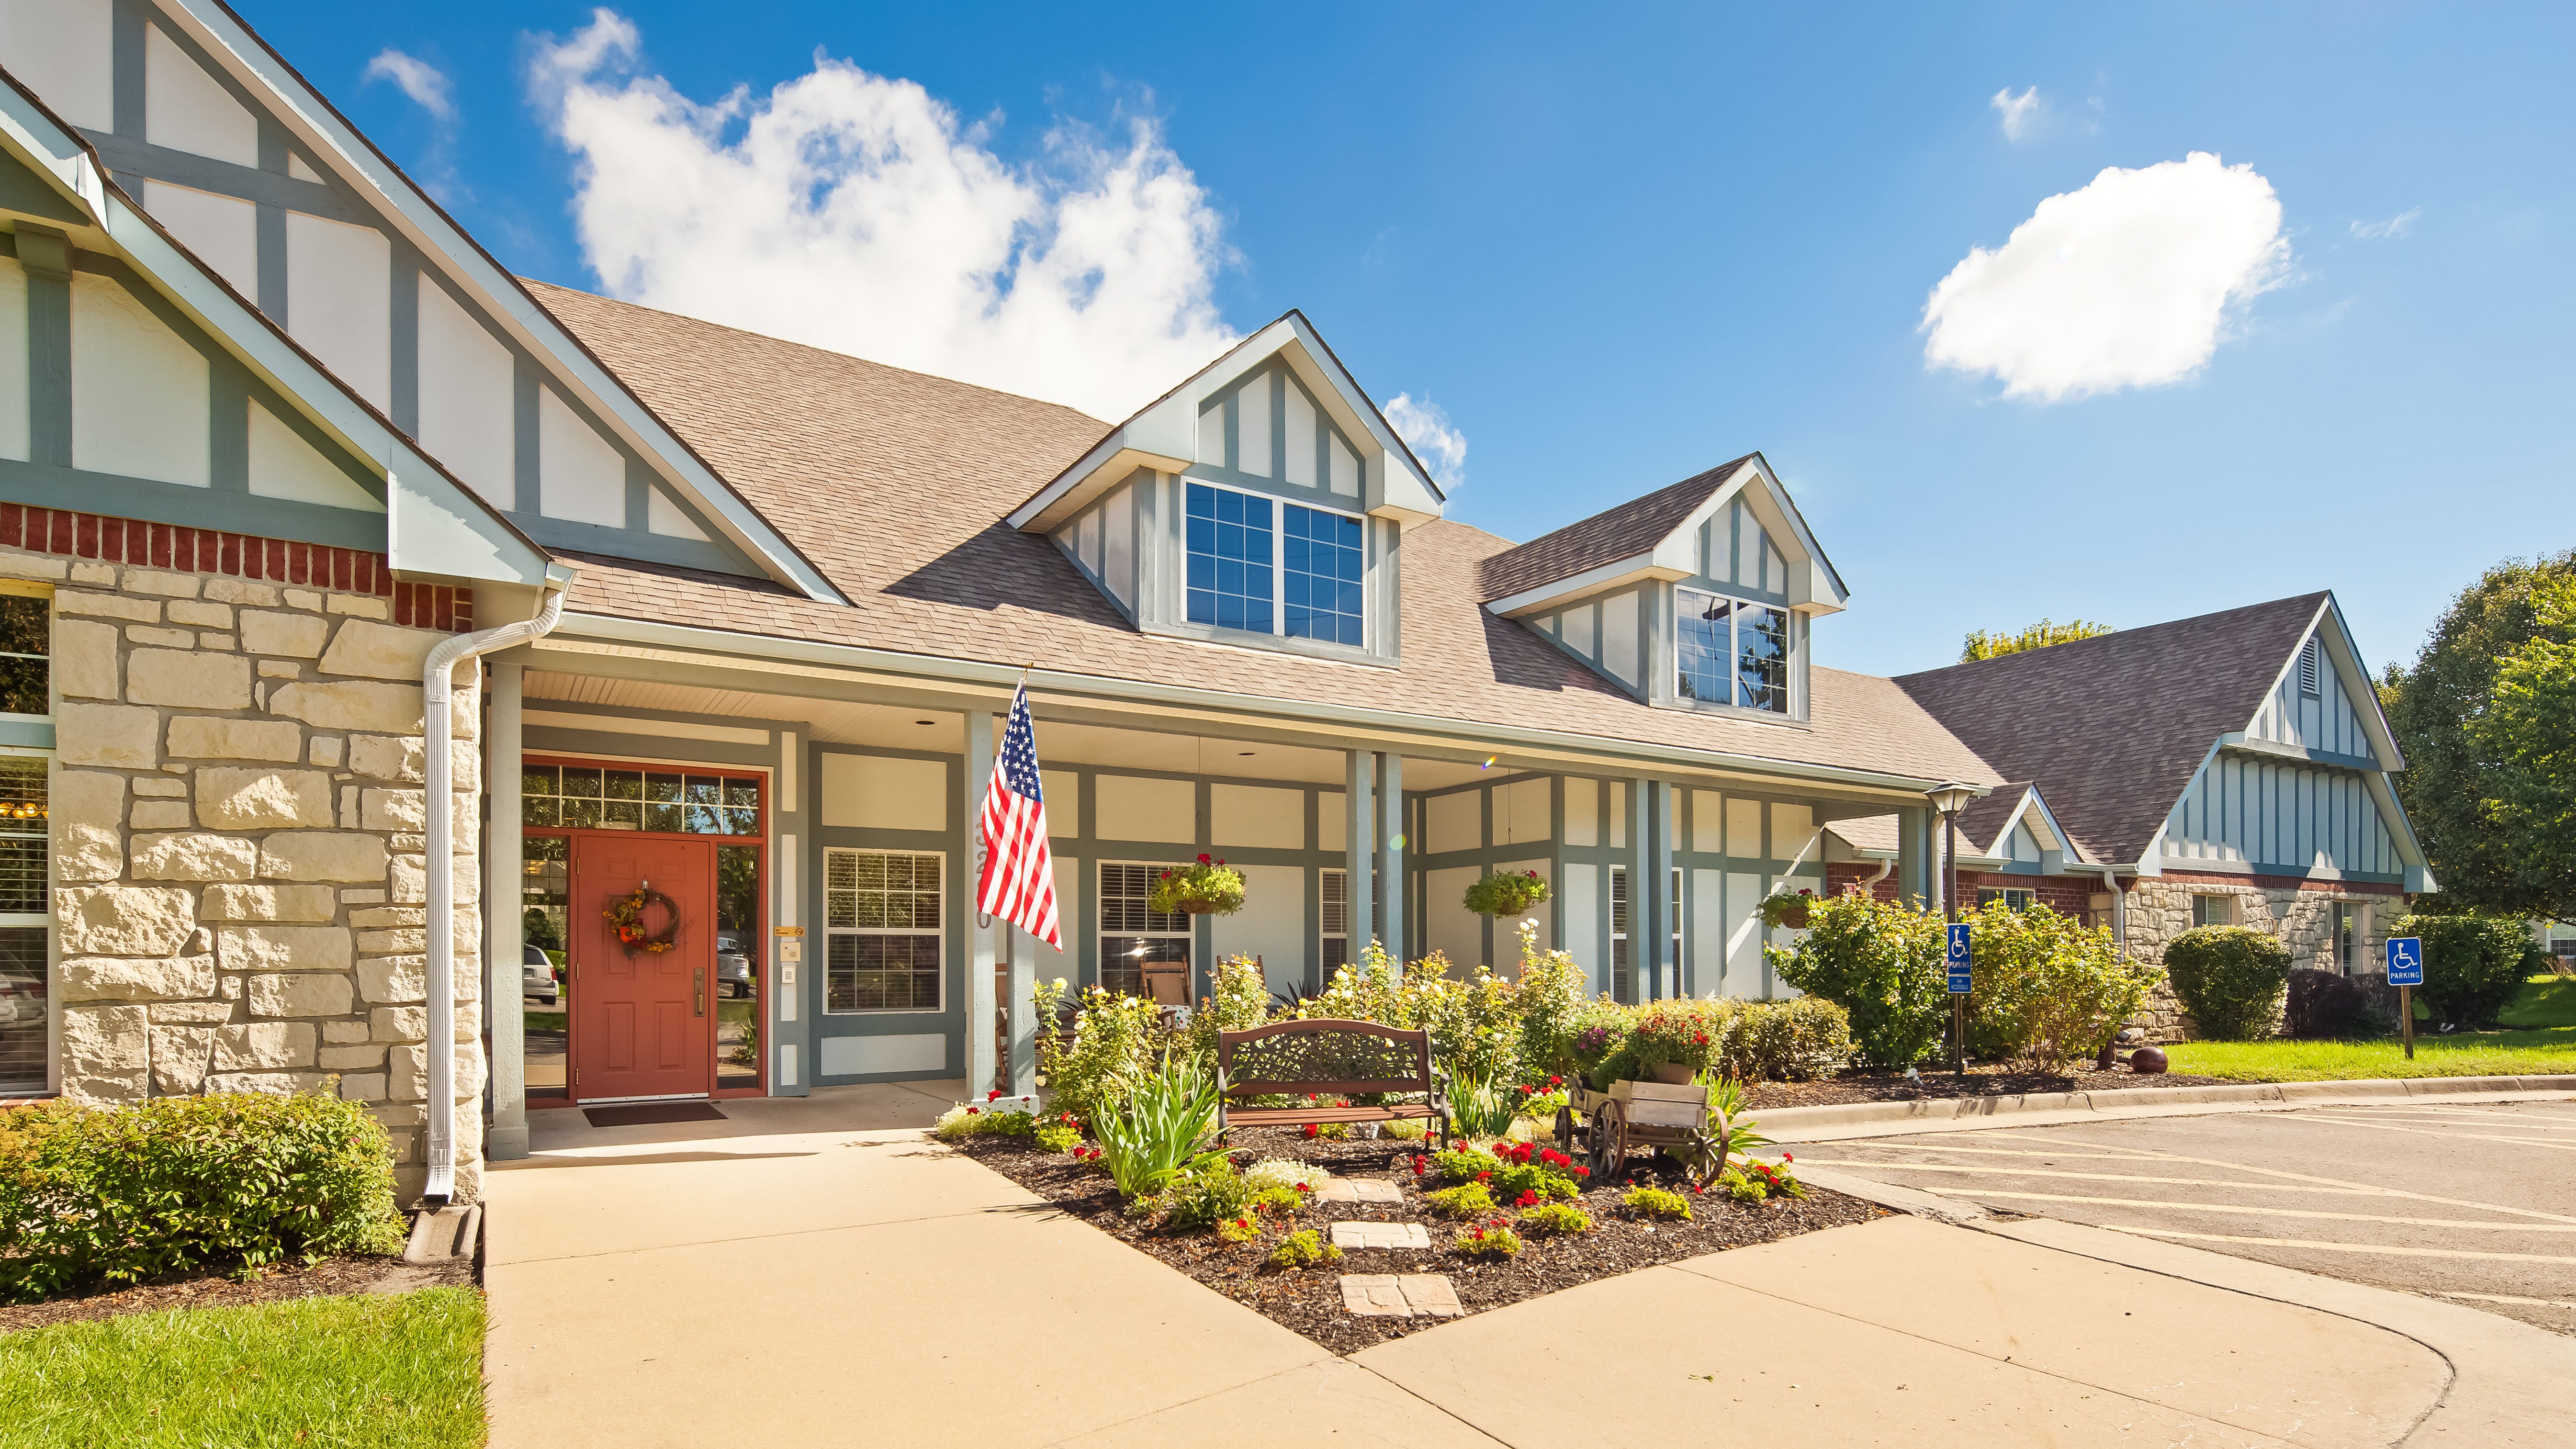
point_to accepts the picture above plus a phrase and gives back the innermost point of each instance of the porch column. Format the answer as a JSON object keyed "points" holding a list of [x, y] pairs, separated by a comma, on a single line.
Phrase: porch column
{"points": [[1390, 863], [1914, 848], [504, 897], [979, 939], [1360, 822], [1023, 1065], [784, 984], [1658, 973]]}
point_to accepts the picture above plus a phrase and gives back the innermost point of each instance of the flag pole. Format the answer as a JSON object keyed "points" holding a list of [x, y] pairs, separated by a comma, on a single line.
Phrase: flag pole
{"points": [[984, 919]]}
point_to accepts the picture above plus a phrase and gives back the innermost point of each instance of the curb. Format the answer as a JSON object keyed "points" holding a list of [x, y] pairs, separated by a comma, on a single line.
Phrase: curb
{"points": [[1949, 1114]]}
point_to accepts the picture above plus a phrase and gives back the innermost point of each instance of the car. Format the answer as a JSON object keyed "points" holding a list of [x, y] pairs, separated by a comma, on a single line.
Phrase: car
{"points": [[733, 963], [537, 975]]}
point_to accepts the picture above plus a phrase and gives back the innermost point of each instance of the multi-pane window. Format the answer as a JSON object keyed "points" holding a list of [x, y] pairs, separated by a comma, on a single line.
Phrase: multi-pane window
{"points": [[1336, 917], [881, 912], [1302, 577], [1622, 979], [2213, 910], [26, 631], [1727, 651], [593, 797], [1132, 933], [2014, 897], [23, 907], [2347, 931]]}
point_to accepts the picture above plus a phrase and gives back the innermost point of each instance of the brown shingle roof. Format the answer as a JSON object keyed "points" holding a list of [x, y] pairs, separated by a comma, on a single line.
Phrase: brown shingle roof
{"points": [[895, 483], [2112, 727], [1606, 537]]}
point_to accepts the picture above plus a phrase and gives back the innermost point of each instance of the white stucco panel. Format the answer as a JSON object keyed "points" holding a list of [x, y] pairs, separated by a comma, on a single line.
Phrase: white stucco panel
{"points": [[664, 515], [1132, 807], [1299, 461], [1522, 813], [283, 465], [1743, 935], [1454, 821], [1271, 925], [881, 792], [15, 440], [580, 475], [188, 110], [1212, 436], [1257, 815], [1708, 822], [222, 230], [1579, 897], [1744, 829], [1448, 927], [1062, 790], [1582, 811], [1332, 821], [64, 51], [1793, 834], [339, 300], [852, 1056], [466, 413], [1707, 938], [1346, 468], [1619, 636], [1252, 427], [138, 389]]}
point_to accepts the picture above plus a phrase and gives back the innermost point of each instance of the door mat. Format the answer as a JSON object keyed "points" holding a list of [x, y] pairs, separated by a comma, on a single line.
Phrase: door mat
{"points": [[645, 1114]]}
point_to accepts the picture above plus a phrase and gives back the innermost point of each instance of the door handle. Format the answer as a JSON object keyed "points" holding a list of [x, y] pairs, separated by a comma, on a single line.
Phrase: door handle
{"points": [[702, 990]]}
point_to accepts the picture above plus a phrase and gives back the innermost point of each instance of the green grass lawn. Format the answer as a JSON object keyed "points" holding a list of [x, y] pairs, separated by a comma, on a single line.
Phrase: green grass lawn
{"points": [[2539, 1039], [394, 1371]]}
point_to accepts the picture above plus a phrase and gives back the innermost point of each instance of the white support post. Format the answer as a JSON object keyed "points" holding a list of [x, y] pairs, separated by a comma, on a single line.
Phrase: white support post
{"points": [[1642, 895], [1391, 843], [979, 939], [1023, 949], [1362, 845], [504, 935]]}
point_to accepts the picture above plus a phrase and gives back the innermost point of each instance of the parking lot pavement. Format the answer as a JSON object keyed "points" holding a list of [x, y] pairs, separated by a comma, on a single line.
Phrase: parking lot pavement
{"points": [[2474, 1203]]}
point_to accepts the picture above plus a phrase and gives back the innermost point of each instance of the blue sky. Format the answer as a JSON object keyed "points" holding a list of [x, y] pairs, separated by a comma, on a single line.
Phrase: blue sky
{"points": [[1615, 251]]}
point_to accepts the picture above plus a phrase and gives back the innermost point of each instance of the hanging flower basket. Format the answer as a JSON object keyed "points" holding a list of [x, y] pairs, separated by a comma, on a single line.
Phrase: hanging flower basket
{"points": [[625, 915], [1506, 893], [1208, 888], [1789, 911]]}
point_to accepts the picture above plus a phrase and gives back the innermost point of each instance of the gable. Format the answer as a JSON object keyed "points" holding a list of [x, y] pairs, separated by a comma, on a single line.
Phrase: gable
{"points": [[1266, 427], [1732, 529]]}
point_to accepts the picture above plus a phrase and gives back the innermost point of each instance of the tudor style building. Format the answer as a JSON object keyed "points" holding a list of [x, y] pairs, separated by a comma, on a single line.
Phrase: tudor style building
{"points": [[285, 458]]}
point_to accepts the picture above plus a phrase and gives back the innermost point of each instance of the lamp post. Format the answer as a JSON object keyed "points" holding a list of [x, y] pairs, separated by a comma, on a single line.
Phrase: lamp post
{"points": [[1950, 799]]}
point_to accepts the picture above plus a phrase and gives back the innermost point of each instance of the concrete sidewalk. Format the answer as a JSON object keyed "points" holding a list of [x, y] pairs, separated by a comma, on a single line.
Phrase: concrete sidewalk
{"points": [[857, 1285]]}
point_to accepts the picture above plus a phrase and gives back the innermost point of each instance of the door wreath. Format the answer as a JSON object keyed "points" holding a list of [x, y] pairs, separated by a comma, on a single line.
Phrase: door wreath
{"points": [[626, 918]]}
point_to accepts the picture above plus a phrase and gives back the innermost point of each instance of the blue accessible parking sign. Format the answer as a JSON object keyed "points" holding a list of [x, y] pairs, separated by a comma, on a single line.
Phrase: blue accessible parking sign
{"points": [[2405, 961], [1961, 959]]}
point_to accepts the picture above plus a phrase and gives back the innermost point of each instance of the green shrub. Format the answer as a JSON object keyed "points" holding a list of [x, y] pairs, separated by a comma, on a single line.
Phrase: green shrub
{"points": [[1468, 1200], [2472, 964], [1111, 1044], [185, 1184], [974, 1119], [2324, 1006], [1510, 1169], [1655, 1202], [1209, 1194], [1551, 991], [1883, 964], [1488, 1240], [2231, 979], [1058, 1136], [1242, 1228], [1154, 1136], [2047, 988], [1304, 1248], [1786, 1041], [1556, 1220]]}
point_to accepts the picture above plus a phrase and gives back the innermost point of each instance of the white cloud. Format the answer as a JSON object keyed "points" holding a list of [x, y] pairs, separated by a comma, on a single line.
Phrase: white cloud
{"points": [[2131, 281], [1436, 441], [855, 212], [2018, 111], [426, 84], [2396, 226]]}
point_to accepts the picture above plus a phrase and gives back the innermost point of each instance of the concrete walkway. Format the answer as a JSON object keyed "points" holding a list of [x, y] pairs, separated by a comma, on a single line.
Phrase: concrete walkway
{"points": [[815, 1272]]}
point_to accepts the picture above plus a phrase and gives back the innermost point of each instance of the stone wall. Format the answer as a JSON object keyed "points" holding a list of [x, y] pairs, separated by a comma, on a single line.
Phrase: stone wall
{"points": [[237, 827], [2299, 912]]}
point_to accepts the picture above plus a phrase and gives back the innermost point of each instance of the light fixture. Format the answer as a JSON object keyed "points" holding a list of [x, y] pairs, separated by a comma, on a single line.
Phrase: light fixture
{"points": [[1952, 798]]}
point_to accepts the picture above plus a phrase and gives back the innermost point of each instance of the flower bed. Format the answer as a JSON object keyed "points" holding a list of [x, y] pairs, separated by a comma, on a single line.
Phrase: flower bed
{"points": [[1309, 1299]]}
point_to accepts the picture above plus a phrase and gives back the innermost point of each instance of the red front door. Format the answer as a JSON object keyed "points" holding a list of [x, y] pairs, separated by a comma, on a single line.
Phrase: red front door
{"points": [[640, 1020]]}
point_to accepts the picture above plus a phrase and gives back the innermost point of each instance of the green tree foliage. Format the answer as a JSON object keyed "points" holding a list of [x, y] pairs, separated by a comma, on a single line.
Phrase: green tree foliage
{"points": [[2472, 964], [2487, 718], [1982, 645]]}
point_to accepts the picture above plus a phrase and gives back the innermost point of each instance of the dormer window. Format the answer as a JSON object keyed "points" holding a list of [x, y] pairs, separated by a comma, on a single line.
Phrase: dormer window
{"points": [[1302, 579], [1729, 651]]}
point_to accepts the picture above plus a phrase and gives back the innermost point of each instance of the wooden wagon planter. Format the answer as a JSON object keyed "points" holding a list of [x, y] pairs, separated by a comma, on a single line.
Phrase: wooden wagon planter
{"points": [[1636, 1116]]}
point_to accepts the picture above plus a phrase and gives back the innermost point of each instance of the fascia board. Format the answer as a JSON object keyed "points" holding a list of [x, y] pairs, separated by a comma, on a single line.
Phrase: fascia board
{"points": [[2357, 684], [1393, 484], [1597, 755], [1591, 581], [2035, 802], [2383, 794], [46, 144], [1111, 460], [443, 244], [1822, 584]]}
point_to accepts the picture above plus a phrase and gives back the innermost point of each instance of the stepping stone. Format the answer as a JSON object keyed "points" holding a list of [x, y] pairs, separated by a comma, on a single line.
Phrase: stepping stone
{"points": [[1405, 1295], [1380, 1235], [1357, 1189]]}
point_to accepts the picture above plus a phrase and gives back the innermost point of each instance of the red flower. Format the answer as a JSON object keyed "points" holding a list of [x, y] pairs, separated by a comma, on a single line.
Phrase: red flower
{"points": [[1526, 1199], [1301, 1187], [1703, 1038], [1310, 1130], [1203, 857], [994, 1095], [1484, 1177], [1788, 1157], [971, 1111], [1582, 1171], [1556, 1081]]}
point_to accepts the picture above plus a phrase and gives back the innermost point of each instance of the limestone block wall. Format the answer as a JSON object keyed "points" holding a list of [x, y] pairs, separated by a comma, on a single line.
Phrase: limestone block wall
{"points": [[237, 830], [2300, 913]]}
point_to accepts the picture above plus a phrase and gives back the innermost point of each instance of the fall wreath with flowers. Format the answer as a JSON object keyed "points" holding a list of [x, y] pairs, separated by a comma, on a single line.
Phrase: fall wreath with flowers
{"points": [[625, 915]]}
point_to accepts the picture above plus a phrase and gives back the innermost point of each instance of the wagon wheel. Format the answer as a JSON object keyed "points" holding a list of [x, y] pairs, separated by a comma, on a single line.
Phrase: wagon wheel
{"points": [[1565, 1130], [1609, 1139], [1703, 1160]]}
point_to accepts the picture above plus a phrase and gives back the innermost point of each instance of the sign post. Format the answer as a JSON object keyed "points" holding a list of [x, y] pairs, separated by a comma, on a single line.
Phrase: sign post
{"points": [[1962, 963], [2406, 972]]}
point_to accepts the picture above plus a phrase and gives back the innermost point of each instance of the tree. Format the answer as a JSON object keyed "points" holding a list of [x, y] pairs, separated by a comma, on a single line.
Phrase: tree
{"points": [[1982, 645], [2487, 719]]}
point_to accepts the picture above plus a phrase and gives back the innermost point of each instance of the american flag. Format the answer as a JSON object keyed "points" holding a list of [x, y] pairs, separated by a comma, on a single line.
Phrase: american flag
{"points": [[1019, 871]]}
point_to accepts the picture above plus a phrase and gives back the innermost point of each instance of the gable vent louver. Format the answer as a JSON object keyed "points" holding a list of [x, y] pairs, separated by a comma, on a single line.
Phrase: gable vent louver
{"points": [[2310, 686]]}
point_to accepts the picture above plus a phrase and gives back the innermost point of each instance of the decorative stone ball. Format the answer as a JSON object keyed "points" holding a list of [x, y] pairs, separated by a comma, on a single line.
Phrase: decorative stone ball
{"points": [[2131, 1035], [2147, 1060]]}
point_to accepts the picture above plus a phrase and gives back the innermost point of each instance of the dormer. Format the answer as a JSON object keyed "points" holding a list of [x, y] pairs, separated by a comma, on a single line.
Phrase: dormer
{"points": [[1262, 502], [1698, 596]]}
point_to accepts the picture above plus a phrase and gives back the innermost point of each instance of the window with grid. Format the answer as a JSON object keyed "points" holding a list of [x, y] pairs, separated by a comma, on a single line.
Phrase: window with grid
{"points": [[1133, 934], [594, 797], [1727, 651], [1336, 917], [26, 643], [881, 912], [1302, 578], [1320, 575], [2014, 897], [1622, 986], [1229, 544]]}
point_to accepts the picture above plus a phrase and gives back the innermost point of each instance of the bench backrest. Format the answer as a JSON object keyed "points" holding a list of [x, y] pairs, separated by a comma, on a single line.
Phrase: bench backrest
{"points": [[1315, 1056]]}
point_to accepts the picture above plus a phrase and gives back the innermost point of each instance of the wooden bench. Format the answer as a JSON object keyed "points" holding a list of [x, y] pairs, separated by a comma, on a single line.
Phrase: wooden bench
{"points": [[1313, 1058]]}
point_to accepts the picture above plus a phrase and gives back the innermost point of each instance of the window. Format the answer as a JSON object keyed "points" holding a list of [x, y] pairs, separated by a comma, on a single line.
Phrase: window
{"points": [[1731, 652], [1622, 986], [2013, 897], [1336, 916], [26, 635], [2213, 910], [881, 920], [23, 915], [2345, 944], [1304, 580], [1133, 934], [2311, 681], [592, 797]]}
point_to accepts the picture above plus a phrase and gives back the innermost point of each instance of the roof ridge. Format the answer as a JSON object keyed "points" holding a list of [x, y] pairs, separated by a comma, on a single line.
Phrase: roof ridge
{"points": [[2116, 637]]}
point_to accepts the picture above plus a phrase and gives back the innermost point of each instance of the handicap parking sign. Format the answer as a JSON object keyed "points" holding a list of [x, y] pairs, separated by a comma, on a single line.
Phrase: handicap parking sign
{"points": [[2405, 960], [1961, 959]]}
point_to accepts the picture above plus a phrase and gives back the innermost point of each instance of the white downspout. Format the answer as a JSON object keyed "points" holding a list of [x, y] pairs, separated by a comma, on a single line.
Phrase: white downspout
{"points": [[2119, 910], [1869, 884], [439, 769]]}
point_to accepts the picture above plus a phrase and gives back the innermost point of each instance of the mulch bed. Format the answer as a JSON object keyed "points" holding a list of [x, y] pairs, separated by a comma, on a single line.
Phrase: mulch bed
{"points": [[1984, 1079], [1309, 1300], [215, 1290]]}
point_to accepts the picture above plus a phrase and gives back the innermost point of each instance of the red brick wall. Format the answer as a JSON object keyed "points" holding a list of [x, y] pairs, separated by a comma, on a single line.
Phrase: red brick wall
{"points": [[2066, 895], [236, 555]]}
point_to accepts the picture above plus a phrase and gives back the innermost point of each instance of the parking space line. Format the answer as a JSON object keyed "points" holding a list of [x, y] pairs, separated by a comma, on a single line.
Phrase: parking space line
{"points": [[2520, 1121], [2427, 1131], [2208, 1207], [2318, 1185], [2334, 1181], [2325, 1247], [2502, 1298], [2003, 1151]]}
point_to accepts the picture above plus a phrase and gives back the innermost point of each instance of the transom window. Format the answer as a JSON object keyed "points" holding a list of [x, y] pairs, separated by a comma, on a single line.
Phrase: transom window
{"points": [[881, 912], [1728, 651], [593, 797], [1301, 578], [1132, 933], [2015, 898]]}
